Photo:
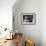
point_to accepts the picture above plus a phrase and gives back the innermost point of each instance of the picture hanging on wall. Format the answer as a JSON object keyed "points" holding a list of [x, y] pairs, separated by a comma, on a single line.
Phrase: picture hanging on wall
{"points": [[28, 18]]}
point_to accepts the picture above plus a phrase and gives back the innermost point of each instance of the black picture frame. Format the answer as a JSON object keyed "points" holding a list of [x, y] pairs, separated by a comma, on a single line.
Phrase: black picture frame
{"points": [[28, 18]]}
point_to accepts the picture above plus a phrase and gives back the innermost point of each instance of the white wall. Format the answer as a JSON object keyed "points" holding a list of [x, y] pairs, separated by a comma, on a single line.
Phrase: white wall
{"points": [[6, 13], [30, 31], [36, 32], [43, 22]]}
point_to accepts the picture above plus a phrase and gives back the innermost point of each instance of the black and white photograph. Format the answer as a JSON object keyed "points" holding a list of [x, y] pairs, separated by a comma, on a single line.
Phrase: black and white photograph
{"points": [[28, 18]]}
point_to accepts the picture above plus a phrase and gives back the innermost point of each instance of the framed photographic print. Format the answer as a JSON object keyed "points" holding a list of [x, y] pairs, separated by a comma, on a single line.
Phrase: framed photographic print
{"points": [[28, 18]]}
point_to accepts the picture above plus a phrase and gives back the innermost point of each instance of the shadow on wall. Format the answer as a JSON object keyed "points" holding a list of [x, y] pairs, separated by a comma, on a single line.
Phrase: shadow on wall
{"points": [[18, 3]]}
